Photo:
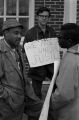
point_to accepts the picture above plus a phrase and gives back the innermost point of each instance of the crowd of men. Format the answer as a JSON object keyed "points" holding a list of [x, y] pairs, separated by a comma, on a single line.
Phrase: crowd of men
{"points": [[17, 95]]}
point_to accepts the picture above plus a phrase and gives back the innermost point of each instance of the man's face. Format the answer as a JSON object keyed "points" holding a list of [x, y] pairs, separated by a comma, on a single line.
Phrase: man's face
{"points": [[13, 36], [43, 18]]}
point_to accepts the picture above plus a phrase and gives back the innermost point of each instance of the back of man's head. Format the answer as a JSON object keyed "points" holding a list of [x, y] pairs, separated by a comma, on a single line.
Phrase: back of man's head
{"points": [[71, 31]]}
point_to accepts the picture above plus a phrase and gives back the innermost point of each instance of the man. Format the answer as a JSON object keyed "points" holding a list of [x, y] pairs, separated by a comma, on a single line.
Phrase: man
{"points": [[38, 32], [15, 91], [65, 98]]}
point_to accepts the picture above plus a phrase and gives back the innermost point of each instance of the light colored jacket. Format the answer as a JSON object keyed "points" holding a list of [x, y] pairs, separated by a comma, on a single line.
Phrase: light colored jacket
{"points": [[65, 99], [14, 88]]}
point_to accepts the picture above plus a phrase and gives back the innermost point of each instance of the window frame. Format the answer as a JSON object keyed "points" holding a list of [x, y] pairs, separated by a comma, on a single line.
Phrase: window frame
{"points": [[30, 16]]}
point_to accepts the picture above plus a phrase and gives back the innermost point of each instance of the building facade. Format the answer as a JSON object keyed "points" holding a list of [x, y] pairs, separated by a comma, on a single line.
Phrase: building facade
{"points": [[62, 11], [24, 10]]}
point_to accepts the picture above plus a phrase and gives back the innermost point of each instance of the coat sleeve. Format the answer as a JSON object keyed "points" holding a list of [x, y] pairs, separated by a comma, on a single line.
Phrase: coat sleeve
{"points": [[27, 37], [3, 92], [65, 83]]}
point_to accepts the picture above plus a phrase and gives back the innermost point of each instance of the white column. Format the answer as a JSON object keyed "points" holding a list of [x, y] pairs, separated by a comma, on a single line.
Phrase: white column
{"points": [[70, 11], [17, 9], [5, 8], [44, 2], [31, 13]]}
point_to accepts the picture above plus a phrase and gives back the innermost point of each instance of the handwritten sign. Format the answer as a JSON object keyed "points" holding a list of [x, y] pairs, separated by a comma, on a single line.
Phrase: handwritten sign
{"points": [[42, 52]]}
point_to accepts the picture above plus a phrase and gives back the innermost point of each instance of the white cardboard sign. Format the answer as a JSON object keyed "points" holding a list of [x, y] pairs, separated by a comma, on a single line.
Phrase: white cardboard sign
{"points": [[42, 52]]}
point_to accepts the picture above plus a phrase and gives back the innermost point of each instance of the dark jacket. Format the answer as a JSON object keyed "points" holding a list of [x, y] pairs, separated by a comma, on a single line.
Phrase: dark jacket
{"points": [[35, 33]]}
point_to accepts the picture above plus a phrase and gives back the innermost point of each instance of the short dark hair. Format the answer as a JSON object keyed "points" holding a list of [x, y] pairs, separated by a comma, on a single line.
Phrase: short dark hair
{"points": [[42, 9], [71, 31], [69, 26], [69, 35]]}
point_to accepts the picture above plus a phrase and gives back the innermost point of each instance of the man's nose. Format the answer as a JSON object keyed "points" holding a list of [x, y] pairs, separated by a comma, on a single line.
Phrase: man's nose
{"points": [[19, 35]]}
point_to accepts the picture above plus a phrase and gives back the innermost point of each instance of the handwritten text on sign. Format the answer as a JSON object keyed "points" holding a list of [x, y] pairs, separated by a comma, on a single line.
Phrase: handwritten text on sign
{"points": [[42, 52]]}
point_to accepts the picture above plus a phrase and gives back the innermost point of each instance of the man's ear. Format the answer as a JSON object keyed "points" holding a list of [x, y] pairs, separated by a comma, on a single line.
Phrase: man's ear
{"points": [[6, 32]]}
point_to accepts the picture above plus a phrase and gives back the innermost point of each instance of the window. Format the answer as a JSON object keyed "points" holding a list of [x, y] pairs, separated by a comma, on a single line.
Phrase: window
{"points": [[22, 10]]}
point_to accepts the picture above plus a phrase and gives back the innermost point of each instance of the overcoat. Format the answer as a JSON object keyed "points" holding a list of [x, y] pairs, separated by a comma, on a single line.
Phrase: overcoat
{"points": [[65, 98], [15, 90]]}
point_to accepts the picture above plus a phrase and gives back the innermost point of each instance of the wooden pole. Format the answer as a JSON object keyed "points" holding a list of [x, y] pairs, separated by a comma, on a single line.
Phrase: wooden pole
{"points": [[45, 109]]}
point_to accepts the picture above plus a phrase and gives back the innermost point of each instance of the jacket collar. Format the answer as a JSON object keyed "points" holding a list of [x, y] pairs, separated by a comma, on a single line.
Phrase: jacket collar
{"points": [[3, 46], [6, 49], [40, 30], [74, 49]]}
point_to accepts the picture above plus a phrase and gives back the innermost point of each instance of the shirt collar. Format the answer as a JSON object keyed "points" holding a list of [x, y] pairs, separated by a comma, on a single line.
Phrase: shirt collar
{"points": [[74, 49], [40, 30]]}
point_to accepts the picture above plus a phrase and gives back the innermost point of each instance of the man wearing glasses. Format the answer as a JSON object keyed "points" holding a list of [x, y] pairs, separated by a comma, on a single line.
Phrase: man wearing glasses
{"points": [[38, 32]]}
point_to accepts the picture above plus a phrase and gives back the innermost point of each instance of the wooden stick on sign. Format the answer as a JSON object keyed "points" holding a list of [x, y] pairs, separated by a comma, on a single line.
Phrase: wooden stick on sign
{"points": [[45, 109]]}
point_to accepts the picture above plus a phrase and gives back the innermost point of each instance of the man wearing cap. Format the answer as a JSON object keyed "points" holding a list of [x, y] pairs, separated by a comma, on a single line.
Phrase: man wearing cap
{"points": [[15, 90]]}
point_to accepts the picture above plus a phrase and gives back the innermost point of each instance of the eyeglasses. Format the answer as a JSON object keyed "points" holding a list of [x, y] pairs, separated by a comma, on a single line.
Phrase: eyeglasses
{"points": [[44, 16]]}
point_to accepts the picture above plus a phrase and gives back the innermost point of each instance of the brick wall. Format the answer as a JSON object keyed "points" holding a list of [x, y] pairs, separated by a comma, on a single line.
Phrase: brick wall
{"points": [[57, 11]]}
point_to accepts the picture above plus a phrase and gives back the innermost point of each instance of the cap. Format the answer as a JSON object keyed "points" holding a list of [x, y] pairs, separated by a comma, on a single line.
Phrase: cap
{"points": [[11, 23]]}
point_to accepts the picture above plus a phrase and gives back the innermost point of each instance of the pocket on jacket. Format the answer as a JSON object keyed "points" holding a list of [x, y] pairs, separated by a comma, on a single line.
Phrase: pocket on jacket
{"points": [[15, 101]]}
